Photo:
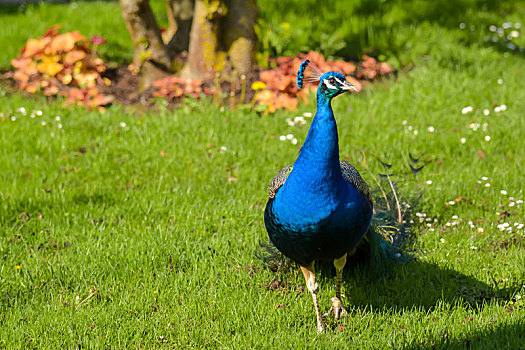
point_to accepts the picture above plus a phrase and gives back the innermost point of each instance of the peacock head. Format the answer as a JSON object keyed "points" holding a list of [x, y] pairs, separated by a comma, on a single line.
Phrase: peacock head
{"points": [[331, 84]]}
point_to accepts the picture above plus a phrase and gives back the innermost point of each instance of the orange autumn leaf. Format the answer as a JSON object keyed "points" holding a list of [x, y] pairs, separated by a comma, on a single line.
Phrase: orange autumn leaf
{"points": [[21, 76], [35, 46], [64, 42], [51, 91], [73, 56], [25, 64], [31, 88]]}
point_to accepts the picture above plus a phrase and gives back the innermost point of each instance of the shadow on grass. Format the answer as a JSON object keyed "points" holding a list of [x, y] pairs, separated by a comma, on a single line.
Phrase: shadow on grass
{"points": [[427, 286], [420, 285], [495, 336]]}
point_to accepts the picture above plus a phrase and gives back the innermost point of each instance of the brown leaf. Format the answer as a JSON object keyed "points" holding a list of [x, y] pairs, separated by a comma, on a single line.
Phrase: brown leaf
{"points": [[480, 154]]}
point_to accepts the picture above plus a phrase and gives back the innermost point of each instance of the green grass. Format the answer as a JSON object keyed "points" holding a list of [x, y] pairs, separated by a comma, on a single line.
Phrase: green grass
{"points": [[167, 243]]}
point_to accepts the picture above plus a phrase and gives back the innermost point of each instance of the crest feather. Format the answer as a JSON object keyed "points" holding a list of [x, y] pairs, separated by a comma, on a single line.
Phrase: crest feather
{"points": [[308, 73]]}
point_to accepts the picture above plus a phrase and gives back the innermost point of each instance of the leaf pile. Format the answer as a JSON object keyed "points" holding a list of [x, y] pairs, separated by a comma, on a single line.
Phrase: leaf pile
{"points": [[173, 87], [281, 90], [64, 64]]}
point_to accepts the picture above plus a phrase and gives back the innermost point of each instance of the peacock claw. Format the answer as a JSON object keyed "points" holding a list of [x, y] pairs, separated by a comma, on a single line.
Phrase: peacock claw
{"points": [[337, 308]]}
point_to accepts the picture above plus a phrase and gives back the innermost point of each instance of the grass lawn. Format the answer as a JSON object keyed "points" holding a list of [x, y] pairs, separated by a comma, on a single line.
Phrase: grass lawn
{"points": [[139, 228]]}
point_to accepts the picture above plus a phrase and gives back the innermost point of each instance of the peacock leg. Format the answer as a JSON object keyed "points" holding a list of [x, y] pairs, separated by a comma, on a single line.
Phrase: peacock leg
{"points": [[337, 305], [313, 287]]}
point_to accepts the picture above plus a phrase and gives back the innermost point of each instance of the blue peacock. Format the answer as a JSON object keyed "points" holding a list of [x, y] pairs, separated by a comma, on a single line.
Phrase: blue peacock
{"points": [[320, 208]]}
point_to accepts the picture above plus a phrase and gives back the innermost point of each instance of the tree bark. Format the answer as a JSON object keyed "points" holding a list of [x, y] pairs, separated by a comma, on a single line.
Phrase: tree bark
{"points": [[151, 55], [222, 38], [180, 17], [237, 34]]}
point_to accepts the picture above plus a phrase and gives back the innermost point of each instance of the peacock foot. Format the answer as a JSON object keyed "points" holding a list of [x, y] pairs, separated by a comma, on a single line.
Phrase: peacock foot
{"points": [[337, 308]]}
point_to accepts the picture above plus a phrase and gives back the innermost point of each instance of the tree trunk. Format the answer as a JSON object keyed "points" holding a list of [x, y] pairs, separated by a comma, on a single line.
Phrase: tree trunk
{"points": [[222, 38], [180, 16], [151, 55], [237, 34]]}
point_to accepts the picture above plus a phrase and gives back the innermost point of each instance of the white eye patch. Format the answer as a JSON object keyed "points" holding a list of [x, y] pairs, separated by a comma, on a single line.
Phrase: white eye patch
{"points": [[330, 86]]}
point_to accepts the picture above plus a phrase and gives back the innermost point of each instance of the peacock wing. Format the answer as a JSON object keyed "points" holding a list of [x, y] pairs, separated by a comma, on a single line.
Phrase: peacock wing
{"points": [[278, 181], [350, 174]]}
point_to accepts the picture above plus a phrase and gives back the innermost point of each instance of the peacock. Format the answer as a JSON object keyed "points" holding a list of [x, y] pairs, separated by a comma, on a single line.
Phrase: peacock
{"points": [[320, 208]]}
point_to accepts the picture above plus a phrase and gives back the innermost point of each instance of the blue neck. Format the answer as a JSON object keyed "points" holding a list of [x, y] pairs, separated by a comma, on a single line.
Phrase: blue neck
{"points": [[320, 152], [315, 186]]}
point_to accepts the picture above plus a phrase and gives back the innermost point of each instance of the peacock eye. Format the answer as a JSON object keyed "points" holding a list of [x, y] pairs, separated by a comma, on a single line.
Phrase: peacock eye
{"points": [[331, 81]]}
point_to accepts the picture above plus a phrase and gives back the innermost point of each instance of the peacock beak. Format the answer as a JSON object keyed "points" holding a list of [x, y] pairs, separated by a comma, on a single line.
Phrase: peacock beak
{"points": [[348, 87]]}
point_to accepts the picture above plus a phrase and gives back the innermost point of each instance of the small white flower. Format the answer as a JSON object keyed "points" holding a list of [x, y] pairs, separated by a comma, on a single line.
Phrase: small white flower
{"points": [[455, 217], [451, 203], [307, 114], [463, 140], [410, 127], [39, 113], [520, 226], [299, 120], [487, 138], [13, 118], [473, 247], [503, 107], [497, 109], [289, 122], [429, 182], [289, 136], [519, 201], [448, 224], [294, 141], [57, 118], [493, 28], [503, 192], [511, 204], [59, 126], [487, 185], [43, 123], [123, 124], [480, 230], [430, 129], [484, 178], [21, 110], [485, 126], [416, 132], [223, 149], [442, 240], [467, 109], [404, 122], [500, 81], [32, 115], [77, 297], [282, 138], [514, 34], [462, 26], [486, 111], [507, 25]]}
